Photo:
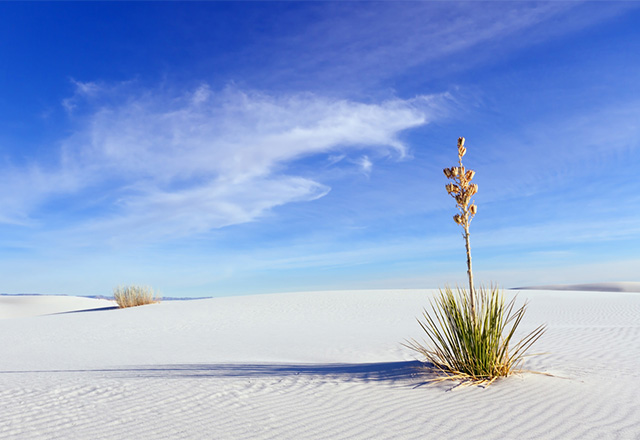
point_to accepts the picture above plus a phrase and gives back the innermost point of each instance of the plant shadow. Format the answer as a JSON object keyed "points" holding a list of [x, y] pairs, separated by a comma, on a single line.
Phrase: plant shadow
{"points": [[97, 309], [409, 373]]}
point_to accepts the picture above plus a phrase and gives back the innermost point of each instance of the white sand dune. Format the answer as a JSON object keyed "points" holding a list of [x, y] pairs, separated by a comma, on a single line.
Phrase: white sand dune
{"points": [[628, 286], [315, 365], [20, 306]]}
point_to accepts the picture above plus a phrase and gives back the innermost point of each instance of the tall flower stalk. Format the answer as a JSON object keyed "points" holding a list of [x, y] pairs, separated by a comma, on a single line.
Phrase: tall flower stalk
{"points": [[462, 190]]}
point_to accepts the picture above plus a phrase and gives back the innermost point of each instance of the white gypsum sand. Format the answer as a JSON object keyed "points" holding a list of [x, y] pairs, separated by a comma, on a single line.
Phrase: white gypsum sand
{"points": [[20, 306], [310, 365]]}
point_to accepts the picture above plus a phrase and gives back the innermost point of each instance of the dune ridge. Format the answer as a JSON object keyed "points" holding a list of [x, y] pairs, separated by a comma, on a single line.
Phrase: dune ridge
{"points": [[624, 286]]}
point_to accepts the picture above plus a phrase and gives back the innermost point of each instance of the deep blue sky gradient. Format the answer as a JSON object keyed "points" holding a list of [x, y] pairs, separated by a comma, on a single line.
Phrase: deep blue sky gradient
{"points": [[222, 148]]}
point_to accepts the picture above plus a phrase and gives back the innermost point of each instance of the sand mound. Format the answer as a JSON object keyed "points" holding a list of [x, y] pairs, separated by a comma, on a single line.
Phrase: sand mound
{"points": [[20, 306]]}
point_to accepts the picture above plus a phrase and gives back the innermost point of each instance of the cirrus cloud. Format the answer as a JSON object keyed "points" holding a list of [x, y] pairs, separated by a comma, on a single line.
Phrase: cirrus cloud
{"points": [[172, 164]]}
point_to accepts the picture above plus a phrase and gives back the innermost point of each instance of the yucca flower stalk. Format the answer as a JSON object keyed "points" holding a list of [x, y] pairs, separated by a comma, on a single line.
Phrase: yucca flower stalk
{"points": [[462, 191]]}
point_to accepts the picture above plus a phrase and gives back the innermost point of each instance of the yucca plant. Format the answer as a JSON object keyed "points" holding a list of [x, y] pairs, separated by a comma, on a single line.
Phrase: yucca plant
{"points": [[474, 344], [470, 333], [131, 296]]}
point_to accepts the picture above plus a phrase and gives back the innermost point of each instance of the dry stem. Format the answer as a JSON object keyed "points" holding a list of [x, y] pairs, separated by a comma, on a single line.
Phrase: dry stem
{"points": [[462, 191]]}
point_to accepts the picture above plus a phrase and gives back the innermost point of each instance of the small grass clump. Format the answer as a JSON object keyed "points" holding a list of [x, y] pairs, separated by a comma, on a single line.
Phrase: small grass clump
{"points": [[131, 296], [474, 344], [471, 331]]}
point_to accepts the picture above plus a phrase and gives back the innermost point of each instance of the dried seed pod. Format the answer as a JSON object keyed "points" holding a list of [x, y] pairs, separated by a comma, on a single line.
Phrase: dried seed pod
{"points": [[458, 219], [462, 151], [452, 189], [470, 174], [473, 209], [447, 172], [455, 171], [460, 142], [473, 189]]}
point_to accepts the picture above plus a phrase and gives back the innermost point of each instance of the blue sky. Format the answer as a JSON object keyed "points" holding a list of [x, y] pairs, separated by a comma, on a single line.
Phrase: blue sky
{"points": [[225, 148]]}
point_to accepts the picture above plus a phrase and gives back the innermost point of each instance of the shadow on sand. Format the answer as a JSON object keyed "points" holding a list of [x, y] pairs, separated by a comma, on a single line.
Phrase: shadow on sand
{"points": [[371, 372], [410, 373], [97, 309]]}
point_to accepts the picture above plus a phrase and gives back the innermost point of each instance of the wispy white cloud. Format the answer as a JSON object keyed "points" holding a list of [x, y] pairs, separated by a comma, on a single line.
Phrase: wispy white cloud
{"points": [[82, 91], [365, 164], [560, 234], [583, 152], [390, 40], [23, 188], [204, 206], [168, 164]]}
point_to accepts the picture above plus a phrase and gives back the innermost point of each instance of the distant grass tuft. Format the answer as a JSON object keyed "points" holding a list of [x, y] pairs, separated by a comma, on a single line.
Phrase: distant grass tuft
{"points": [[131, 296], [474, 347]]}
